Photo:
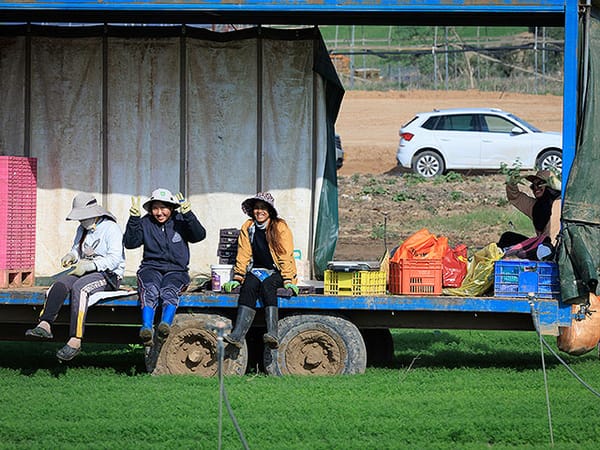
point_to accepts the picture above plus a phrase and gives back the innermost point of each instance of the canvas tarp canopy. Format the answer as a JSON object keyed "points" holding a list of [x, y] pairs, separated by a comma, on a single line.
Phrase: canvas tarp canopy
{"points": [[579, 249], [120, 111]]}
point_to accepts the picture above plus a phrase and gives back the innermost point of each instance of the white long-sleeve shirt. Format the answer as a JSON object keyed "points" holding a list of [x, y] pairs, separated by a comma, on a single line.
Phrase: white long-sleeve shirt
{"points": [[103, 245]]}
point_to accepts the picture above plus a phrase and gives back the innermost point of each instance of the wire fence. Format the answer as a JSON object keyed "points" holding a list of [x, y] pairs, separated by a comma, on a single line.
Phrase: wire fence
{"points": [[527, 63]]}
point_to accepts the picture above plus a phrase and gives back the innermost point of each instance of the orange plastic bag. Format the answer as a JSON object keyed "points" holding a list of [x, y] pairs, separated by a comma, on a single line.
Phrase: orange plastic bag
{"points": [[583, 335], [422, 244]]}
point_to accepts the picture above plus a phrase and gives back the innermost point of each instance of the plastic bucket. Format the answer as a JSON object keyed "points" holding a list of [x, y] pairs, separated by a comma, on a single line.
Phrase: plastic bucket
{"points": [[220, 274]]}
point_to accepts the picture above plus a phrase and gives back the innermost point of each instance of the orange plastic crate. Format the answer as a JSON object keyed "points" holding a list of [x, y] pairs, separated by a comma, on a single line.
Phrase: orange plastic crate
{"points": [[416, 277]]}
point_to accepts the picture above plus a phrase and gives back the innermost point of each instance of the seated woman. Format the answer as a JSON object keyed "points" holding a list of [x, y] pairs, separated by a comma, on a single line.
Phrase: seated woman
{"points": [[165, 233], [98, 263], [264, 263], [543, 208]]}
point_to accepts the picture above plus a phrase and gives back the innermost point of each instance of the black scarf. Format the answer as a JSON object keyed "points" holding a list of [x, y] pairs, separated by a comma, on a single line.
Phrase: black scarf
{"points": [[542, 209]]}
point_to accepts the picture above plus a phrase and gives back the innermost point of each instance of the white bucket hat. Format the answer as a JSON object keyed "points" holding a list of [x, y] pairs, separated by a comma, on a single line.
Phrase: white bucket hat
{"points": [[85, 206], [161, 195], [265, 197]]}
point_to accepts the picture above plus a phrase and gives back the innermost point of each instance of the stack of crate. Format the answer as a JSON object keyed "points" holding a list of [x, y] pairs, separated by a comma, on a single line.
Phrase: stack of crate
{"points": [[227, 251], [18, 184]]}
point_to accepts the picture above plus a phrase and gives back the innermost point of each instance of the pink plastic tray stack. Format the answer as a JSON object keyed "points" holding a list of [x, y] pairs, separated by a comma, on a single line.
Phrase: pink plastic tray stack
{"points": [[18, 183]]}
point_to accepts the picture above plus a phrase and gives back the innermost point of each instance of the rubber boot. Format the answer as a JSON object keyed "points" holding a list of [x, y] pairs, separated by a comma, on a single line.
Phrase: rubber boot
{"points": [[245, 316], [147, 324], [164, 327], [271, 317]]}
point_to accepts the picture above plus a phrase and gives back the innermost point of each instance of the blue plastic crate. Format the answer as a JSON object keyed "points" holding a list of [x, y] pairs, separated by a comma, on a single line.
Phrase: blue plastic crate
{"points": [[519, 278]]}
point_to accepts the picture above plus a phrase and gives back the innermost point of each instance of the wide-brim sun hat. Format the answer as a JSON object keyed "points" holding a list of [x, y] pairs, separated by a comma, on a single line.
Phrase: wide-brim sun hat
{"points": [[85, 206], [548, 177], [161, 195], [265, 197]]}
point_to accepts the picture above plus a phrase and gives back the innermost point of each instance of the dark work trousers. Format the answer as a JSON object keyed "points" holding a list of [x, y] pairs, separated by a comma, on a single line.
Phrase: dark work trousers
{"points": [[252, 289], [80, 290], [154, 285], [510, 238]]}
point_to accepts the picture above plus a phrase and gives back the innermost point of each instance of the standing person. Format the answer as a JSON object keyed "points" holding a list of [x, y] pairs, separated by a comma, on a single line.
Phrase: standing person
{"points": [[98, 263], [264, 263], [543, 207], [163, 273]]}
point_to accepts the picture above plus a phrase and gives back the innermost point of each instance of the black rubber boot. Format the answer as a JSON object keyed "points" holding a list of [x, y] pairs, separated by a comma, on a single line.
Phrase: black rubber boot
{"points": [[245, 316], [271, 317]]}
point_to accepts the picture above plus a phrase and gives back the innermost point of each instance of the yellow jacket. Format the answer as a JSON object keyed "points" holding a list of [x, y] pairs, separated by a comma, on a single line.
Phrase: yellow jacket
{"points": [[524, 203], [285, 262]]}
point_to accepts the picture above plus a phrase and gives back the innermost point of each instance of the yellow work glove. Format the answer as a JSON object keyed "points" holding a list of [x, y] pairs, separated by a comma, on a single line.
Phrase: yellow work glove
{"points": [[135, 207], [293, 287], [184, 205], [230, 286], [82, 267]]}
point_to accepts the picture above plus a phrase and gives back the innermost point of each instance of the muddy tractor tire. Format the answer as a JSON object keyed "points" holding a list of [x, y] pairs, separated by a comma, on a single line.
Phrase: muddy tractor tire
{"points": [[191, 349], [316, 345]]}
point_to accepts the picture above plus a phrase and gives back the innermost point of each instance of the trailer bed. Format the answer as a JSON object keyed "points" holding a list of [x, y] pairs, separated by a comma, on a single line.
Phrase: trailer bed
{"points": [[22, 306]]}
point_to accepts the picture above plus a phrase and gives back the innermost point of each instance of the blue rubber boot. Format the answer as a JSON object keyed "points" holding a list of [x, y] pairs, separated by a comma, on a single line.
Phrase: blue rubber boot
{"points": [[147, 323], [164, 327]]}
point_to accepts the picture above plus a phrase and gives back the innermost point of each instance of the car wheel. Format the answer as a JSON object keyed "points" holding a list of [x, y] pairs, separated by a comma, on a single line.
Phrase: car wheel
{"points": [[551, 160], [428, 164]]}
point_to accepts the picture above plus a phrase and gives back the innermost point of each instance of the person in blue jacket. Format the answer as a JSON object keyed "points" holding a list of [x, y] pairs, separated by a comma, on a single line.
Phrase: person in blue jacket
{"points": [[163, 275]]}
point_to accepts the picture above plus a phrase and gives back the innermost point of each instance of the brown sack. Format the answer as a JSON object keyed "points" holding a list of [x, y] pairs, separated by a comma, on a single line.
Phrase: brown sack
{"points": [[583, 335]]}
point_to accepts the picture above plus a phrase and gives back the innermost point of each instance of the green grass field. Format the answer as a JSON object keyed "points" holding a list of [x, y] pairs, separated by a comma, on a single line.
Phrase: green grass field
{"points": [[444, 389]]}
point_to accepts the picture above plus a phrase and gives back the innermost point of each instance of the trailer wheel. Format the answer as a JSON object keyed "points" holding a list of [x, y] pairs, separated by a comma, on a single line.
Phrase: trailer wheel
{"points": [[316, 345], [379, 344], [191, 348]]}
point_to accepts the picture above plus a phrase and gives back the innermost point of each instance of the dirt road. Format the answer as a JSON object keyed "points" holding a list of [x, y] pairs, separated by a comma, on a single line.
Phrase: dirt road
{"points": [[368, 124], [369, 121]]}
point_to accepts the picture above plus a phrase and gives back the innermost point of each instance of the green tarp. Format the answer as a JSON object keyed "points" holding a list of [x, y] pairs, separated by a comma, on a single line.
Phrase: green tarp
{"points": [[579, 249]]}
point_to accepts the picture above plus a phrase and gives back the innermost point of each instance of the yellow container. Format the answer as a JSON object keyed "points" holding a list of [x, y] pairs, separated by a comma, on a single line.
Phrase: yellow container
{"points": [[362, 282]]}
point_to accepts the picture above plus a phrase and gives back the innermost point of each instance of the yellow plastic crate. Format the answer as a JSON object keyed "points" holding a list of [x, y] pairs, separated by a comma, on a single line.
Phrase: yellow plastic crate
{"points": [[362, 282]]}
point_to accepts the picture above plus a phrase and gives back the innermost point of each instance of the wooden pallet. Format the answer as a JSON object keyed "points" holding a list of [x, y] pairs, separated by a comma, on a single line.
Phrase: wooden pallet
{"points": [[14, 278]]}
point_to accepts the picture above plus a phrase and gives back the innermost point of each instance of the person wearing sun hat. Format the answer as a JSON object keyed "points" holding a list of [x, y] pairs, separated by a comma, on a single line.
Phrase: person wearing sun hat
{"points": [[165, 233], [264, 262], [543, 207], [97, 263]]}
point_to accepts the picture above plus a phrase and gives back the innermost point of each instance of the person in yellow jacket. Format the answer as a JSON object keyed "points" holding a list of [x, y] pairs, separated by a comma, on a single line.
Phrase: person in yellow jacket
{"points": [[264, 263]]}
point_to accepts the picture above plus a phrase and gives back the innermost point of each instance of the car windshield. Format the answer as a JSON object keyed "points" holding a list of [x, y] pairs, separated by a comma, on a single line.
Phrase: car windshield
{"points": [[522, 122]]}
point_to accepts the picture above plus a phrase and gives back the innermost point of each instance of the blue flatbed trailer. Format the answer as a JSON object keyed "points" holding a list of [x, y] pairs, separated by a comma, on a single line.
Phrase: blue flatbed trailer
{"points": [[323, 328], [371, 317]]}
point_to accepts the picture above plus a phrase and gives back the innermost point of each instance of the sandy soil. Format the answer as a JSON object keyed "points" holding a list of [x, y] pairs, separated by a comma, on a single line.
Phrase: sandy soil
{"points": [[369, 121], [370, 183]]}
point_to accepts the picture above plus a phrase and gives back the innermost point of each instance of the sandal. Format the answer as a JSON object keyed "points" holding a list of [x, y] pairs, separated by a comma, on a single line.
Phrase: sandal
{"points": [[39, 332], [67, 353]]}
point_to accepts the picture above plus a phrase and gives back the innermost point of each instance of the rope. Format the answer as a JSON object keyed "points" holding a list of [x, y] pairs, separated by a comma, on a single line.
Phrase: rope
{"points": [[556, 355], [223, 393], [543, 343], [545, 381]]}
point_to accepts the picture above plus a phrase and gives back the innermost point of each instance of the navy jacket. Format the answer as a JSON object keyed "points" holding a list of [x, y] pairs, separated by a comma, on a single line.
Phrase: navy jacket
{"points": [[165, 246]]}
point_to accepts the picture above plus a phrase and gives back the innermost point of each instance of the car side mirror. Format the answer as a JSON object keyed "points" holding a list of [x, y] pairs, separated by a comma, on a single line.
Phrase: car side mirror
{"points": [[517, 130]]}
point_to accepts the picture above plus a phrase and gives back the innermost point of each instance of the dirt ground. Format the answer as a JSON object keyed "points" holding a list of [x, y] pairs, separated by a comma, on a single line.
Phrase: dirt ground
{"points": [[368, 124]]}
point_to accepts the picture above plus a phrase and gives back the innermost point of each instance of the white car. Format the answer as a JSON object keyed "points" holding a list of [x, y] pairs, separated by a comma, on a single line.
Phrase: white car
{"points": [[339, 152], [475, 138]]}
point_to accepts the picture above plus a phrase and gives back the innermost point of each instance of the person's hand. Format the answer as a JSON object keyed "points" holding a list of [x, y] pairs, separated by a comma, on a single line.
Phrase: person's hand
{"points": [[293, 287], [513, 178], [184, 205], [82, 267], [68, 260], [135, 207], [230, 285]]}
